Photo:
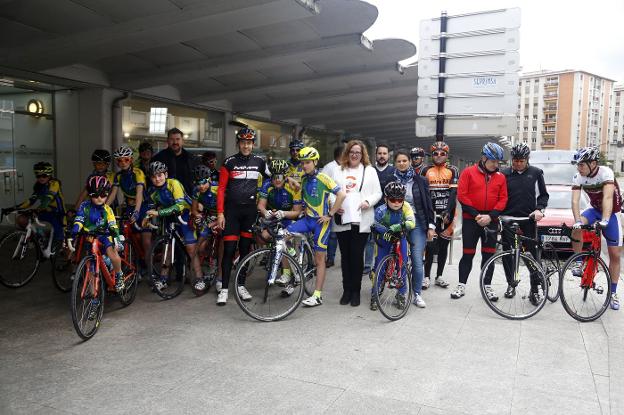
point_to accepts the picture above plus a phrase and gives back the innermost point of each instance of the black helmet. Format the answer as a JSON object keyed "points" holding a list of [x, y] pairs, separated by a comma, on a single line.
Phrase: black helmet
{"points": [[98, 186], [296, 144], [101, 155], [395, 190], [246, 134], [278, 166], [144, 146], [43, 168], [417, 152], [156, 167], [520, 151], [201, 173]]}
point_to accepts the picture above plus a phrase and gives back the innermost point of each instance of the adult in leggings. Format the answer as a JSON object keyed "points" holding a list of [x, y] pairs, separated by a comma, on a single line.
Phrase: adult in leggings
{"points": [[236, 205], [482, 192]]}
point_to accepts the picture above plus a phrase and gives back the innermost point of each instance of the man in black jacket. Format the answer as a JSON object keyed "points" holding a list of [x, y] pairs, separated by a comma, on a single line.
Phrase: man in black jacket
{"points": [[180, 163], [526, 196]]}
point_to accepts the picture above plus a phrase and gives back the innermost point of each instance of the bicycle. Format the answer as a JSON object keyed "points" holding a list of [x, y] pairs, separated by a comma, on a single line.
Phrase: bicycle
{"points": [[23, 250], [93, 279], [392, 282], [506, 271], [208, 252], [585, 275], [258, 272]]}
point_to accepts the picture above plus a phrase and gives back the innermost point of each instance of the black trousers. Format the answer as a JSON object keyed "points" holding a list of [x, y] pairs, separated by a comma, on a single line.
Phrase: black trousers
{"points": [[528, 229], [352, 244]]}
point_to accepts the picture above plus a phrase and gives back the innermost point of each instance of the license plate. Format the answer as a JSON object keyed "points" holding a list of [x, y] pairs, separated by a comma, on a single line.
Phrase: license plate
{"points": [[555, 238]]}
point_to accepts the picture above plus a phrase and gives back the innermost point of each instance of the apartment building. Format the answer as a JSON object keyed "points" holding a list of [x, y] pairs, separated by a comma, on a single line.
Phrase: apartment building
{"points": [[564, 110], [616, 129]]}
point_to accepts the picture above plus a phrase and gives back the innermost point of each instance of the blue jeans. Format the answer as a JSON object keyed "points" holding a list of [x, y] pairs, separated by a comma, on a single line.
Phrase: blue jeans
{"points": [[369, 252], [418, 240], [332, 245]]}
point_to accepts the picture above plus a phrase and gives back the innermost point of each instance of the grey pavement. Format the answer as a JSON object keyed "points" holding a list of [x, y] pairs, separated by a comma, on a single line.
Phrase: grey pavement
{"points": [[188, 356]]}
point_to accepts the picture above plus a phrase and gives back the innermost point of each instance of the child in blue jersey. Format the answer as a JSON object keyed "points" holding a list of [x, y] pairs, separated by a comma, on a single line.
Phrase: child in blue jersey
{"points": [[101, 160], [390, 219]]}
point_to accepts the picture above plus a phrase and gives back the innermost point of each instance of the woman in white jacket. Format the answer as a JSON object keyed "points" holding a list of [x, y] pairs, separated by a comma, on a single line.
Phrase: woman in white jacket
{"points": [[359, 179]]}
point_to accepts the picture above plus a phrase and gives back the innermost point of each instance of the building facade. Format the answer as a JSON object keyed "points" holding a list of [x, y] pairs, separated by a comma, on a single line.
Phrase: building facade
{"points": [[616, 129]]}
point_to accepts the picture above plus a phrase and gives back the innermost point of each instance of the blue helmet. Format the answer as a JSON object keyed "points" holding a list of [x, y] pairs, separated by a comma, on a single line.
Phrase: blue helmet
{"points": [[586, 154], [493, 151]]}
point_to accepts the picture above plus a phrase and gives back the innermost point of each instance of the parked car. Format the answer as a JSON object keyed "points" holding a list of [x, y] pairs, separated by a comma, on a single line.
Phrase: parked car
{"points": [[555, 164]]}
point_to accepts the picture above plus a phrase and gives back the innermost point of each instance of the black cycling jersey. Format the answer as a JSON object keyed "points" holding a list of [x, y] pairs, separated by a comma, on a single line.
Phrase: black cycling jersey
{"points": [[239, 179], [526, 191]]}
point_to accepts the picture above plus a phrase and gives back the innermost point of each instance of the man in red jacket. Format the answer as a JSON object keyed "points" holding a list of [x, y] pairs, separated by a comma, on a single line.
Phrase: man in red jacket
{"points": [[482, 192]]}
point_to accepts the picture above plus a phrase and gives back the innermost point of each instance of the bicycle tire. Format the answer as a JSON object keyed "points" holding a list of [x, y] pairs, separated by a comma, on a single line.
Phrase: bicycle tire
{"points": [[521, 300], [80, 308], [386, 299], [131, 278], [62, 268], [308, 268], [11, 275], [175, 274], [265, 296], [567, 279], [550, 262]]}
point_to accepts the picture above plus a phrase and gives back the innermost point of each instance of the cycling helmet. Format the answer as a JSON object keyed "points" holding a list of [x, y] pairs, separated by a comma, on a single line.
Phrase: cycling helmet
{"points": [[201, 173], [395, 190], [296, 144], [440, 146], [586, 154], [493, 151], [417, 152], [98, 186], [308, 153], [43, 168], [278, 166], [156, 167], [101, 155], [123, 151], [520, 151], [144, 146], [246, 134]]}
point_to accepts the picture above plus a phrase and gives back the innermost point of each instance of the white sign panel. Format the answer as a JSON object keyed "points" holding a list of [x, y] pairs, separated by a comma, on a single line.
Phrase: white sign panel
{"points": [[506, 62], [506, 83], [469, 42], [488, 20], [469, 105], [468, 127]]}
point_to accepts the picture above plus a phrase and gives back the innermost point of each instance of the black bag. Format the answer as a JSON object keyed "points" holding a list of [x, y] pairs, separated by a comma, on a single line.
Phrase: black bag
{"points": [[337, 216]]}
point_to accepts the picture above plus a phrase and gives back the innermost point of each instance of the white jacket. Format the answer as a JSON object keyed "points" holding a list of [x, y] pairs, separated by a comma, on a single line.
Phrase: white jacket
{"points": [[371, 192]]}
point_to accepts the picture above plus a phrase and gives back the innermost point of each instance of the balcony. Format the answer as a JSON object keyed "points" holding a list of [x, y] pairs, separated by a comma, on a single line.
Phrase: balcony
{"points": [[551, 96], [551, 85], [548, 133], [549, 121], [548, 143], [550, 108]]}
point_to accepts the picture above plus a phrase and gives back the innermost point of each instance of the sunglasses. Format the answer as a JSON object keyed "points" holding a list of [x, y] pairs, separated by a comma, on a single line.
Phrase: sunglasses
{"points": [[99, 196], [42, 176], [124, 160], [202, 182], [439, 153], [394, 200], [279, 177]]}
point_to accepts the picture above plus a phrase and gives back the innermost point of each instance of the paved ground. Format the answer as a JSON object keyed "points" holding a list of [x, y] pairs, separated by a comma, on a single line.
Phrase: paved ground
{"points": [[187, 356]]}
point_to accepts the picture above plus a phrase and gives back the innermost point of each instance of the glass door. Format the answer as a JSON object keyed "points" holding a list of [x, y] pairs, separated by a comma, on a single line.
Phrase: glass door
{"points": [[7, 154]]}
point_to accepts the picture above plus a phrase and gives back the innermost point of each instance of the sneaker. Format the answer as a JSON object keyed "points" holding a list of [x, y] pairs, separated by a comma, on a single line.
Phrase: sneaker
{"points": [[400, 302], [490, 294], [535, 298], [94, 307], [282, 280], [243, 293], [426, 283], [288, 290], [119, 283], [373, 304], [510, 292], [218, 285], [441, 282], [222, 297], [312, 301], [200, 285], [161, 283], [459, 292], [615, 302], [418, 301]]}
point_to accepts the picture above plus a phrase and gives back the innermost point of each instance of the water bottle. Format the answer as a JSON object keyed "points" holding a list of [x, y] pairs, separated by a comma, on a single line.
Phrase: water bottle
{"points": [[108, 262]]}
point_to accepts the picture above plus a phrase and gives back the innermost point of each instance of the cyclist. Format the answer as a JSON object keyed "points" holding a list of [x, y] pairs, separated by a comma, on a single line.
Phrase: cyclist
{"points": [[390, 219], [101, 160], [236, 205], [209, 159], [417, 155], [315, 190], [482, 192], [47, 192], [205, 204], [442, 180], [277, 199], [95, 215], [146, 151], [526, 196], [167, 198], [294, 164], [131, 181], [605, 199]]}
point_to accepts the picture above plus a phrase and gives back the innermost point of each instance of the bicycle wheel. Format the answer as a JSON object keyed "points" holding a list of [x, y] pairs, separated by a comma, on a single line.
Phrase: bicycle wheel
{"points": [[62, 267], [392, 289], [129, 266], [87, 299], [19, 261], [552, 268], [167, 277], [268, 302], [308, 267], [529, 295], [583, 297]]}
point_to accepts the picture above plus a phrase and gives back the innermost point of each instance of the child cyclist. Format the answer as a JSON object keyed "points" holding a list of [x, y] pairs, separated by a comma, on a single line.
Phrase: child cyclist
{"points": [[168, 199], [131, 181], [315, 190], [101, 160], [278, 199], [205, 205], [95, 215], [390, 219]]}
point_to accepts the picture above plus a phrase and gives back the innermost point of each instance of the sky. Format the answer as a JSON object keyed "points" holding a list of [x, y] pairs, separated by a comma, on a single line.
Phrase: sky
{"points": [[554, 34]]}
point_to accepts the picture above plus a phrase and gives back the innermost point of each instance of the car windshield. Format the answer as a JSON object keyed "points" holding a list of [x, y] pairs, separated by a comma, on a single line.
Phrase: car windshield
{"points": [[557, 173], [563, 200]]}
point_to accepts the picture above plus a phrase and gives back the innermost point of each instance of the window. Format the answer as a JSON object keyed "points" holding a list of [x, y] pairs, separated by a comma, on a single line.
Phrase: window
{"points": [[534, 116], [158, 120], [534, 129], [526, 118], [526, 129]]}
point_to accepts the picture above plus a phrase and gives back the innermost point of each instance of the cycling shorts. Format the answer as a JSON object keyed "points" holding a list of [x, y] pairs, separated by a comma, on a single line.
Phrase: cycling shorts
{"points": [[613, 231], [239, 222], [444, 231], [186, 231], [128, 213], [310, 224], [56, 220]]}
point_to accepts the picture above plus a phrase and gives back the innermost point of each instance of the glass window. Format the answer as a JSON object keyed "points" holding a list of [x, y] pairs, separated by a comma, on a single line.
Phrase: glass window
{"points": [[158, 120]]}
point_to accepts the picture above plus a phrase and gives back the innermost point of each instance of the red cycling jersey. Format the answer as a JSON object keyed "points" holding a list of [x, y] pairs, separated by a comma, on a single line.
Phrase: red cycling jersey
{"points": [[481, 192]]}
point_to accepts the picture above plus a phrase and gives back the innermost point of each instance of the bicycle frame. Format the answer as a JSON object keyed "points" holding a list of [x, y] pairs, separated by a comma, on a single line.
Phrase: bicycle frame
{"points": [[102, 269], [33, 224]]}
